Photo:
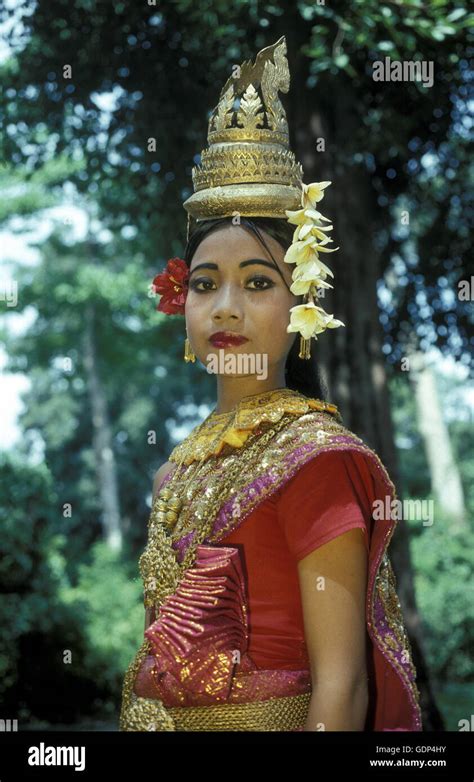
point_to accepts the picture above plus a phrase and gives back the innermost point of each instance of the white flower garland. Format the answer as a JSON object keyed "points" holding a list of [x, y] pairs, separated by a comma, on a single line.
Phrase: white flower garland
{"points": [[310, 273]]}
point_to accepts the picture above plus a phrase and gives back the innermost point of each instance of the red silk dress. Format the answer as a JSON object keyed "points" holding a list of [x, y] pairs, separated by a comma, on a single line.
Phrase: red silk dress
{"points": [[328, 496]]}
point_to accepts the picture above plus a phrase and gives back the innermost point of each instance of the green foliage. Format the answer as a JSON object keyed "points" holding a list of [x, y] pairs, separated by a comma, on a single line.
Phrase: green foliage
{"points": [[455, 700], [442, 558], [25, 193], [32, 570], [107, 600], [443, 568], [63, 648]]}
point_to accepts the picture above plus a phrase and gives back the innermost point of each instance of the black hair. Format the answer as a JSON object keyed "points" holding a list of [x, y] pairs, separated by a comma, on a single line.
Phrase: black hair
{"points": [[300, 374]]}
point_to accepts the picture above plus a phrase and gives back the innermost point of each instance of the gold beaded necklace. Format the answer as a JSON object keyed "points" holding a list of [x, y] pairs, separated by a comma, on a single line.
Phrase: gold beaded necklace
{"points": [[169, 503]]}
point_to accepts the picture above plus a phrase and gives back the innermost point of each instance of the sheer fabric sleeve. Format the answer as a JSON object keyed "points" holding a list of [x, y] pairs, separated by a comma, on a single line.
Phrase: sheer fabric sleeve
{"points": [[329, 495]]}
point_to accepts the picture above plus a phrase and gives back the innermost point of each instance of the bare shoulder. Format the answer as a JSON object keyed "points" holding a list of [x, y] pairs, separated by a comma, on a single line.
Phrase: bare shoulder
{"points": [[160, 476]]}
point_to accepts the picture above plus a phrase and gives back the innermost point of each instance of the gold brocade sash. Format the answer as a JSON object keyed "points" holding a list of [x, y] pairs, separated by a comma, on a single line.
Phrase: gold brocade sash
{"points": [[275, 714]]}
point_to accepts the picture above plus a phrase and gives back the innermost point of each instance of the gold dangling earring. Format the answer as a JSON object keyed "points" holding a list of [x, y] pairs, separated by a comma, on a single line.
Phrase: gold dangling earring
{"points": [[305, 348], [305, 344], [188, 353]]}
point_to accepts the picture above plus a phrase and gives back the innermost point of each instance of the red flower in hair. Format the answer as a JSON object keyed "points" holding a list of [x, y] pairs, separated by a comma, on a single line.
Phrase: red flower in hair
{"points": [[172, 285]]}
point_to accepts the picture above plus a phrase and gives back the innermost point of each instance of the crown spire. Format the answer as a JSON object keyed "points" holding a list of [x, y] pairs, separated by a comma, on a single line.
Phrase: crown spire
{"points": [[248, 167]]}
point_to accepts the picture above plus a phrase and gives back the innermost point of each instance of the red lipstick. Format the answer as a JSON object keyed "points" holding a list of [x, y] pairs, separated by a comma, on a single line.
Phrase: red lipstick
{"points": [[221, 339]]}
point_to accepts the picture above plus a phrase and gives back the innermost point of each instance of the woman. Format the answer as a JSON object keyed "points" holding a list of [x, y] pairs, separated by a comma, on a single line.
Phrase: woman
{"points": [[270, 599]]}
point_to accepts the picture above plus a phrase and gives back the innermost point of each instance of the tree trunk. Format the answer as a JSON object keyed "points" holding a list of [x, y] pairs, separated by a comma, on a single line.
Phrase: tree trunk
{"points": [[350, 358], [445, 477], [102, 439]]}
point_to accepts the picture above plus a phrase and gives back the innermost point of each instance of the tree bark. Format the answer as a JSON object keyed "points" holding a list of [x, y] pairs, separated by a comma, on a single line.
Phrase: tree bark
{"points": [[102, 438], [445, 478]]}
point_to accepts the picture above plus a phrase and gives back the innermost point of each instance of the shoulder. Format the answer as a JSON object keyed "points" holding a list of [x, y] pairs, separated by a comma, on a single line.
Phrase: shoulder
{"points": [[328, 456], [319, 428], [160, 476], [321, 432], [327, 471]]}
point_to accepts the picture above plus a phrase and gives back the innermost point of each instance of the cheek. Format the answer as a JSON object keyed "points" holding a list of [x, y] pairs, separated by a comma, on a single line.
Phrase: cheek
{"points": [[275, 310], [193, 311], [270, 321]]}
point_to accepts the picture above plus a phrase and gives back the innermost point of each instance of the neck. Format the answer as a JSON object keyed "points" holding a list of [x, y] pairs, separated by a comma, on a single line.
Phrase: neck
{"points": [[231, 390]]}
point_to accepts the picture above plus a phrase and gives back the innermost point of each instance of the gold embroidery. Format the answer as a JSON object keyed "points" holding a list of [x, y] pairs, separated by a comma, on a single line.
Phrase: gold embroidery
{"points": [[397, 642]]}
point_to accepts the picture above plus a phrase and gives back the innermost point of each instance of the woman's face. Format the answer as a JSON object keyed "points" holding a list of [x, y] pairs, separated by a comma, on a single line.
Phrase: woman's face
{"points": [[234, 287]]}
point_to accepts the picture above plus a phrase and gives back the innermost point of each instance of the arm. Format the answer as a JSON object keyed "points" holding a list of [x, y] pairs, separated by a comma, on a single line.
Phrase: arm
{"points": [[160, 476], [333, 583], [157, 481]]}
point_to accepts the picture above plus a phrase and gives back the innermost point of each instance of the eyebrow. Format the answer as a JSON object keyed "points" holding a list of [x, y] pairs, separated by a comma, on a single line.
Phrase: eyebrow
{"points": [[251, 261]]}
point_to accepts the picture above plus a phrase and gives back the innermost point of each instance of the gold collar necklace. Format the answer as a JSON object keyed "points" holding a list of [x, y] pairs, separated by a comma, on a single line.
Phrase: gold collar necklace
{"points": [[233, 427]]}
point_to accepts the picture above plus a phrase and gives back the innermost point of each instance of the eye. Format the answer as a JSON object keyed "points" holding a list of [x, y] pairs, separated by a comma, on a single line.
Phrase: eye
{"points": [[201, 280], [265, 280], [260, 281], [204, 281]]}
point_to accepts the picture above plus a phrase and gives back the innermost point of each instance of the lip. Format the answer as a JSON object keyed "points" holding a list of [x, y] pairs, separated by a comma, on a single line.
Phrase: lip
{"points": [[222, 338]]}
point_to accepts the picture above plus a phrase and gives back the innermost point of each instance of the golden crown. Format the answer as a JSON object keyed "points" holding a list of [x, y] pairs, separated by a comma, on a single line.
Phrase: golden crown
{"points": [[249, 167]]}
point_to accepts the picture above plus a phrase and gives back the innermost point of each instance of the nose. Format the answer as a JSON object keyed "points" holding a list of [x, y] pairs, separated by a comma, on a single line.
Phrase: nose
{"points": [[227, 305]]}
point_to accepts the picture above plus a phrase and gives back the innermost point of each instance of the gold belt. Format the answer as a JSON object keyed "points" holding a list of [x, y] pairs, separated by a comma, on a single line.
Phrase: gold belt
{"points": [[284, 713]]}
